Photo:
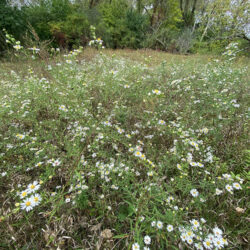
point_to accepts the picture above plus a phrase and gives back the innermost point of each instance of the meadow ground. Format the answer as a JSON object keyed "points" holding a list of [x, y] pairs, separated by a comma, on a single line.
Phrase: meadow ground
{"points": [[124, 150]]}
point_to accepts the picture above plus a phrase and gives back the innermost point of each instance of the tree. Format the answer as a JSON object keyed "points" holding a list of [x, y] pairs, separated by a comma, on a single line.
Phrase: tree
{"points": [[225, 19], [188, 8]]}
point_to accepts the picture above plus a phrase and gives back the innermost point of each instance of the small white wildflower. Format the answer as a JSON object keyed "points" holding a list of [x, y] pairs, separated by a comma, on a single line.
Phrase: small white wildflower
{"points": [[33, 187], [27, 205], [236, 185], [218, 191], [141, 218], [4, 174], [24, 193], [135, 246], [229, 188], [217, 231], [36, 198], [208, 244], [147, 240], [170, 228], [161, 122], [159, 225], [156, 91], [194, 192]]}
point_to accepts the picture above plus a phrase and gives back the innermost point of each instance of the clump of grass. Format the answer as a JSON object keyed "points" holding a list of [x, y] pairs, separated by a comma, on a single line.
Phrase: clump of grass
{"points": [[116, 153]]}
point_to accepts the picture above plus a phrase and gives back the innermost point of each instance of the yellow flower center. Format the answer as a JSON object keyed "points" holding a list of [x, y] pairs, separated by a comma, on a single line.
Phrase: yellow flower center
{"points": [[28, 203]]}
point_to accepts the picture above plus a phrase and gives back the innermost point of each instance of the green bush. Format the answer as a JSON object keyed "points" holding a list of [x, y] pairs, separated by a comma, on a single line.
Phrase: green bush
{"points": [[113, 22], [13, 20], [75, 29], [47, 11], [216, 46], [136, 26]]}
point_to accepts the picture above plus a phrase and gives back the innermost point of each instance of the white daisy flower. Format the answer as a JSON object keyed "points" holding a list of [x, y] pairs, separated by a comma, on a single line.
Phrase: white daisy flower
{"points": [[229, 188], [236, 185], [198, 246], [156, 91], [36, 199], [218, 242], [4, 174], [195, 223], [184, 237], [194, 192], [203, 220], [131, 150], [27, 204], [218, 191], [24, 193], [218, 232], [193, 164], [170, 228], [189, 241], [208, 244], [210, 237], [135, 246], [20, 136], [63, 108], [200, 165], [190, 234], [107, 123], [159, 224], [17, 47], [33, 187], [137, 153], [147, 240], [56, 163], [150, 174], [161, 122], [142, 218], [179, 167]]}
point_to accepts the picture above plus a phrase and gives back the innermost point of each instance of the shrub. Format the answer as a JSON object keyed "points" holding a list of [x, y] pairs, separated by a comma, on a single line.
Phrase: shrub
{"points": [[112, 21], [45, 12], [136, 26], [73, 31], [13, 20], [185, 41]]}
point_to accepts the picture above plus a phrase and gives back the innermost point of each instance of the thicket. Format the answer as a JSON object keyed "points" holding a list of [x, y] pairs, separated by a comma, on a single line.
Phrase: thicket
{"points": [[171, 25]]}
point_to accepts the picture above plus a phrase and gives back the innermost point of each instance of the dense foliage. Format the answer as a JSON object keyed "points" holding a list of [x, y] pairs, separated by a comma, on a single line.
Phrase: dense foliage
{"points": [[172, 25]]}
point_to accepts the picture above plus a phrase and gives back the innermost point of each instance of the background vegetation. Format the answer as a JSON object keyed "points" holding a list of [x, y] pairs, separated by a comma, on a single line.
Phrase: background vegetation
{"points": [[171, 25]]}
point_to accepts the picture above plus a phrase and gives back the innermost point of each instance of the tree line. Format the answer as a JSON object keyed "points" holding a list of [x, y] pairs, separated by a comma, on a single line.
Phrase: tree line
{"points": [[170, 25]]}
